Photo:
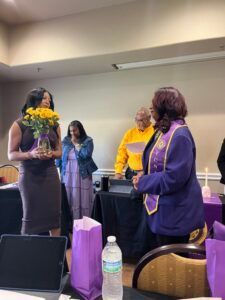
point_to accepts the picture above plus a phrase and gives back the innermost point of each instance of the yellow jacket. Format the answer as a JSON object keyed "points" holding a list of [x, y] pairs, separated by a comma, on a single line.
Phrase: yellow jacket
{"points": [[125, 156]]}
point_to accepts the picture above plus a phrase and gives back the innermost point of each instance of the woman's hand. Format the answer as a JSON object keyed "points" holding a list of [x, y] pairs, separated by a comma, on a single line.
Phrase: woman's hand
{"points": [[118, 176], [135, 179], [40, 154], [34, 153], [45, 155]]}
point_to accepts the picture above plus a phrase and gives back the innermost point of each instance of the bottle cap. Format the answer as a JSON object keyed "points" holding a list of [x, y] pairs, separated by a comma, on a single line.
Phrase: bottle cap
{"points": [[111, 239]]}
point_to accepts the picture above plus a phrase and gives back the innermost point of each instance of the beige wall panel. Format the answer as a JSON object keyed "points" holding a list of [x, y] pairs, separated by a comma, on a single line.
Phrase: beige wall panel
{"points": [[4, 47], [137, 25], [1, 112]]}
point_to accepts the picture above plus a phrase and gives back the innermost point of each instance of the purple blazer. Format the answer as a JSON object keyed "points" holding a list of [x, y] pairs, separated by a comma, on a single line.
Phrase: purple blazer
{"points": [[180, 209]]}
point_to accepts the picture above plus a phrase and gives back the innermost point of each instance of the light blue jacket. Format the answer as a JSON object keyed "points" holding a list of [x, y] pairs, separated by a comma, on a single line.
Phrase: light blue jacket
{"points": [[84, 157]]}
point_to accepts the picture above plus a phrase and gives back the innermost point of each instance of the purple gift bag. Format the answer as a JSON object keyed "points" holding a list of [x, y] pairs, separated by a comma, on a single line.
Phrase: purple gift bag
{"points": [[215, 255], [218, 231], [86, 265]]}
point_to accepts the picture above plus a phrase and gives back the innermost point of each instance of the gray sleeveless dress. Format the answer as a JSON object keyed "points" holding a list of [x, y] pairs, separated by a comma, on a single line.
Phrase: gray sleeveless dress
{"points": [[39, 187]]}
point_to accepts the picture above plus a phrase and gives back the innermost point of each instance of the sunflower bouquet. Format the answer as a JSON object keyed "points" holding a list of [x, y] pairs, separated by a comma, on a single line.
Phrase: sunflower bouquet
{"points": [[40, 120]]}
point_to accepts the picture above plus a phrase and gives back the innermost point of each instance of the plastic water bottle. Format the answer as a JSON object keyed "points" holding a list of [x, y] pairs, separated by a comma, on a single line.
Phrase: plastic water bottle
{"points": [[112, 288]]}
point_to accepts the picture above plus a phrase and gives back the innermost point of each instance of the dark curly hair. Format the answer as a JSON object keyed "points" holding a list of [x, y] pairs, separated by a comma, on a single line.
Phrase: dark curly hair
{"points": [[34, 98], [170, 105]]}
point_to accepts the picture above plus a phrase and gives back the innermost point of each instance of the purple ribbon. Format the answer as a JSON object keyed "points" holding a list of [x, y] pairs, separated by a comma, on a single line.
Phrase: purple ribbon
{"points": [[35, 144], [157, 161]]}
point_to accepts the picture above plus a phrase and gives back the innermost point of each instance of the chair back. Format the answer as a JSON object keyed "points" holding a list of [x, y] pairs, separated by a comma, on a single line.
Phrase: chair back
{"points": [[9, 172], [162, 271]]}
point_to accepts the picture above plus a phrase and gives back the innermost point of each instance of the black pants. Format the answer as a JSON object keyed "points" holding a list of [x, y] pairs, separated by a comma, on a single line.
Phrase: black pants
{"points": [[157, 240], [162, 240]]}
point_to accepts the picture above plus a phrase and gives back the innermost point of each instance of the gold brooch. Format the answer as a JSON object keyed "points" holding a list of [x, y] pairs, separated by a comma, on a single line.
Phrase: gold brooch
{"points": [[160, 145]]}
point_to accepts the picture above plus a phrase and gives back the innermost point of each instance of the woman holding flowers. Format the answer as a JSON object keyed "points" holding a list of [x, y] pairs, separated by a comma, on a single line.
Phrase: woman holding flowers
{"points": [[39, 182], [77, 166]]}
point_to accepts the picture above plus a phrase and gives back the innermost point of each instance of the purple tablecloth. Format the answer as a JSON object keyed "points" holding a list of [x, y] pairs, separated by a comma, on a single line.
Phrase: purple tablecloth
{"points": [[213, 209]]}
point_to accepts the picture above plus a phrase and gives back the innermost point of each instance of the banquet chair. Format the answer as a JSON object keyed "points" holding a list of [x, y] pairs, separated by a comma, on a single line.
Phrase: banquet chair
{"points": [[9, 172], [163, 271]]}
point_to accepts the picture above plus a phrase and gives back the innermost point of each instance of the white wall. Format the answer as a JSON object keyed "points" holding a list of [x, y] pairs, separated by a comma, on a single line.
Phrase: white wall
{"points": [[4, 45], [2, 145], [106, 104]]}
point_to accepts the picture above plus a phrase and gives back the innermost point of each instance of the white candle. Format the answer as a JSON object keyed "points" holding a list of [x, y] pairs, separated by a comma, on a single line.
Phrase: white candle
{"points": [[206, 176]]}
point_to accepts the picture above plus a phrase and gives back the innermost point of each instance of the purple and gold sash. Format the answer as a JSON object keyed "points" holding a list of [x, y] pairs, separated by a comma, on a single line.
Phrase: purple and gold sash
{"points": [[157, 162]]}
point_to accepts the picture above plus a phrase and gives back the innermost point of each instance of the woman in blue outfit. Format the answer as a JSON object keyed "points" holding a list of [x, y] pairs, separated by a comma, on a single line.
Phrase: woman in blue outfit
{"points": [[77, 167], [173, 198]]}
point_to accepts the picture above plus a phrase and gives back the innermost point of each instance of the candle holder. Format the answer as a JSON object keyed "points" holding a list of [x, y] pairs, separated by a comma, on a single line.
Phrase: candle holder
{"points": [[206, 192]]}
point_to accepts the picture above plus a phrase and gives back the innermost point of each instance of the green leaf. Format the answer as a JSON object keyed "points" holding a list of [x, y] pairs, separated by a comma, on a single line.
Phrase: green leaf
{"points": [[26, 123], [36, 135]]}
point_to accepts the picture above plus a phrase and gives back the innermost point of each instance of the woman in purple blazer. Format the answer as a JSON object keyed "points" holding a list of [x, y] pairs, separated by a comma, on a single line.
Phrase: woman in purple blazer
{"points": [[173, 198]]}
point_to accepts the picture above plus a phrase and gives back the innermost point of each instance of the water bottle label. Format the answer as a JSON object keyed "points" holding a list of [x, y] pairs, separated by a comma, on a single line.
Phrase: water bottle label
{"points": [[112, 267]]}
